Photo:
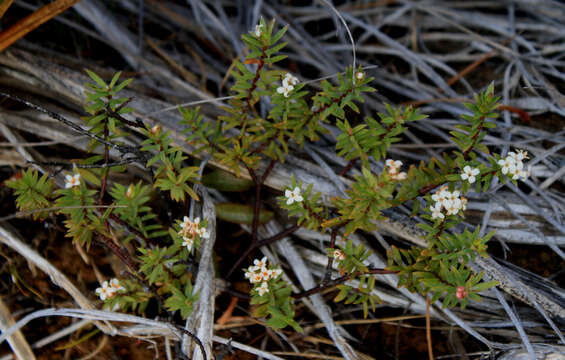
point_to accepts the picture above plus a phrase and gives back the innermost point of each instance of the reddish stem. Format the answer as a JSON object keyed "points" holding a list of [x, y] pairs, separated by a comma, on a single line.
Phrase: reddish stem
{"points": [[121, 253], [347, 167], [268, 171], [263, 242], [475, 138], [130, 228], [256, 78], [521, 113]]}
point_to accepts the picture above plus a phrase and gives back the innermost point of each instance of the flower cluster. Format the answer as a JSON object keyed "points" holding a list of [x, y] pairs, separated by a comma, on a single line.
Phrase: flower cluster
{"points": [[512, 165], [447, 201], [72, 180], [393, 167], [460, 293], [258, 30], [339, 255], [109, 289], [469, 174], [189, 230], [359, 75], [293, 196], [260, 273], [287, 84]]}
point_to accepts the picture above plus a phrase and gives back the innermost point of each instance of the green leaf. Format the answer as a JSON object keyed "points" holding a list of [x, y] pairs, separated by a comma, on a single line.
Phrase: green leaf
{"points": [[114, 79], [225, 181], [241, 214], [96, 78], [484, 286]]}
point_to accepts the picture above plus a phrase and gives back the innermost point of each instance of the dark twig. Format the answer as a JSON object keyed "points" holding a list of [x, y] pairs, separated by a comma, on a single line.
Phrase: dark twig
{"points": [[347, 167], [123, 149], [115, 114], [257, 76], [120, 252], [70, 165], [200, 345], [268, 171], [20, 214], [105, 171], [328, 273], [339, 280], [130, 229], [263, 242]]}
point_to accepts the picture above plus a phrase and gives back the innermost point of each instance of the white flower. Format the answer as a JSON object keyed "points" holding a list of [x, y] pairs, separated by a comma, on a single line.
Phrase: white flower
{"points": [[265, 273], [106, 291], [512, 165], [441, 195], [258, 30], [293, 196], [463, 203], [518, 173], [452, 196], [436, 211], [186, 223], [360, 75], [519, 156], [188, 243], [507, 164], [393, 166], [256, 278], [275, 273], [290, 79], [469, 174], [249, 273], [285, 89], [196, 224], [189, 230], [204, 234], [453, 207], [339, 255], [264, 288], [115, 284], [71, 181], [259, 264], [186, 228], [399, 176]]}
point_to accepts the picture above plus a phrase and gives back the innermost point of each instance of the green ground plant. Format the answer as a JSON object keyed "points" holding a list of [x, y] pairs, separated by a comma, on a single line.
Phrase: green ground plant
{"points": [[245, 140]]}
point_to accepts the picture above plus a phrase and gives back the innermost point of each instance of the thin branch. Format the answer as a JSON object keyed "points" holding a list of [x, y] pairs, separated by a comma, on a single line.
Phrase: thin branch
{"points": [[263, 242], [123, 149], [347, 167], [338, 281], [70, 165], [328, 273], [101, 315], [31, 212]]}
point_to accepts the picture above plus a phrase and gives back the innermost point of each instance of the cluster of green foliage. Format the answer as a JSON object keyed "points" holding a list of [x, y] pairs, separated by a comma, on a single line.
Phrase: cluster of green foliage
{"points": [[164, 271], [241, 139], [272, 300]]}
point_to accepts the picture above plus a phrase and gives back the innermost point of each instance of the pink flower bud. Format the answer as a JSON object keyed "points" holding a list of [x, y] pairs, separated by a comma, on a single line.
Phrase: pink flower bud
{"points": [[460, 293], [155, 130]]}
